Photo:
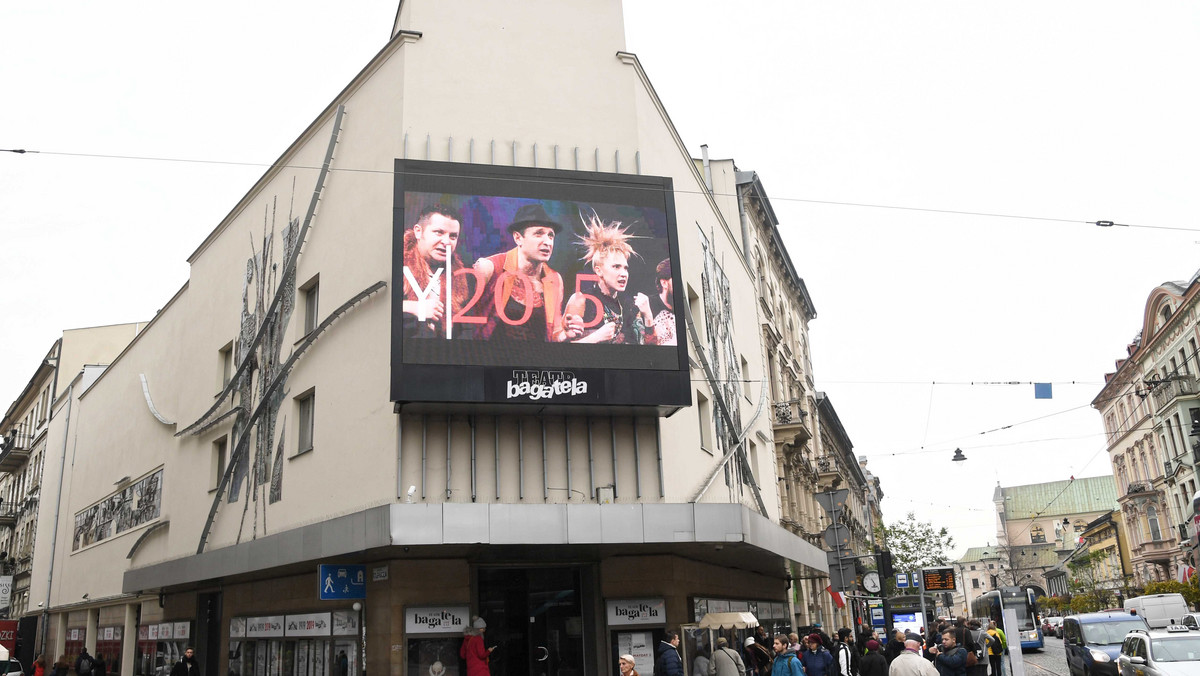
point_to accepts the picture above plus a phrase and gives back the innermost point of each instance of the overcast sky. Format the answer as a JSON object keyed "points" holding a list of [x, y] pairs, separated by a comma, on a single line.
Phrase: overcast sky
{"points": [[1079, 111]]}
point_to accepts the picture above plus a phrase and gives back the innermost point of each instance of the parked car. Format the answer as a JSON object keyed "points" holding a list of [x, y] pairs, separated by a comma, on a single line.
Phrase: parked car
{"points": [[1055, 627], [1172, 651], [1092, 641], [1191, 621]]}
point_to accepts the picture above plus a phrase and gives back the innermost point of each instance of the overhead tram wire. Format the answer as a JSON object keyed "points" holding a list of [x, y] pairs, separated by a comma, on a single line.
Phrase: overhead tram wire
{"points": [[865, 205]]}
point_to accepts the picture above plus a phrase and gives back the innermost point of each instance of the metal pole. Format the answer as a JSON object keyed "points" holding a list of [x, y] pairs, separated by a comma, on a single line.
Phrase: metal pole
{"points": [[567, 448], [591, 463], [637, 459], [424, 450], [545, 470], [612, 429], [471, 422], [496, 454], [520, 458], [449, 428], [921, 589], [399, 454], [662, 488]]}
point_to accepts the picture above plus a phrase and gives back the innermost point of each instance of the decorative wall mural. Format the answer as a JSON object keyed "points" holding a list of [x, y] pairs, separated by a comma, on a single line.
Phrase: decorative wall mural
{"points": [[137, 504], [723, 357], [256, 391]]}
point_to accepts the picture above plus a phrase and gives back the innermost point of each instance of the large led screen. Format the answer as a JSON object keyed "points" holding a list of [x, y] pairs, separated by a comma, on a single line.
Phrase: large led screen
{"points": [[535, 286]]}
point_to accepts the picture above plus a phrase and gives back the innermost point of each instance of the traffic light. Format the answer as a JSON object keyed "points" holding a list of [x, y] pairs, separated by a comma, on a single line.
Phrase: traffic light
{"points": [[883, 561]]}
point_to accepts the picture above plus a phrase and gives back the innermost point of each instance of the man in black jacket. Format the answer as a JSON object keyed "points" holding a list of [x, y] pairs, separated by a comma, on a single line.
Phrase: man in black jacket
{"points": [[187, 666], [667, 664]]}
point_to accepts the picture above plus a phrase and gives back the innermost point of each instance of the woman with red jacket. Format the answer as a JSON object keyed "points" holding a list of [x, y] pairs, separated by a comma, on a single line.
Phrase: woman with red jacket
{"points": [[473, 650]]}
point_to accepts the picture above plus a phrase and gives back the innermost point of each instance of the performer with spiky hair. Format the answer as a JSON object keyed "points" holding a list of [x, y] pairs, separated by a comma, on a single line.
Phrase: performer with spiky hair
{"points": [[624, 320]]}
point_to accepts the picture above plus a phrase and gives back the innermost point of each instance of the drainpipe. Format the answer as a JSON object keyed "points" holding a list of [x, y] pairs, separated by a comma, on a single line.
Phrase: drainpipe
{"points": [[57, 507], [707, 169], [745, 221]]}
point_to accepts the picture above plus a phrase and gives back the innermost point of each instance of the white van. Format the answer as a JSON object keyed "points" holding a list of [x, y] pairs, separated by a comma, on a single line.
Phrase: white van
{"points": [[1159, 610]]}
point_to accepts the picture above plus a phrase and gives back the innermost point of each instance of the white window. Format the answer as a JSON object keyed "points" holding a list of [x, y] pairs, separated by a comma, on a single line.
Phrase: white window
{"points": [[1152, 520], [311, 292], [305, 413], [706, 428], [220, 456], [225, 363]]}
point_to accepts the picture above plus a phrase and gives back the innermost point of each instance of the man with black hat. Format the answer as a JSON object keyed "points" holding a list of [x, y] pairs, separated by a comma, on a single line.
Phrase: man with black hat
{"points": [[520, 284]]}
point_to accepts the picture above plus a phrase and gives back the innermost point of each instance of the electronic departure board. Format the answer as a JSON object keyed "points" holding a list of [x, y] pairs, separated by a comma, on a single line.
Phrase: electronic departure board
{"points": [[939, 579]]}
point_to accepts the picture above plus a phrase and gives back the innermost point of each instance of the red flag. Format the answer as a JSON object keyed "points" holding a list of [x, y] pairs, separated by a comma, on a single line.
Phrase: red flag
{"points": [[839, 599]]}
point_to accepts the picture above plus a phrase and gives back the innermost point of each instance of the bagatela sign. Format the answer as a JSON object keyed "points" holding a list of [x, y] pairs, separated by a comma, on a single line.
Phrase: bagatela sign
{"points": [[436, 619], [636, 611]]}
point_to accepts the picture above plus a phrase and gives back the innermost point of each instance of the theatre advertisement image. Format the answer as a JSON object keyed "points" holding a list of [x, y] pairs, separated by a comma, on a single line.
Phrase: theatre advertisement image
{"points": [[536, 286]]}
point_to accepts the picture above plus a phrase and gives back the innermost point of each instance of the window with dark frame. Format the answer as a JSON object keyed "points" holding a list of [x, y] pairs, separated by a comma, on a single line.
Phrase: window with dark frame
{"points": [[220, 456], [225, 363], [705, 409]]}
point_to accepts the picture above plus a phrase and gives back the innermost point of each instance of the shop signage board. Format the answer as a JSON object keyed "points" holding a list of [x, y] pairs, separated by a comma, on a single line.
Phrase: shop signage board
{"points": [[107, 634], [485, 351], [637, 611], [118, 632], [345, 623], [181, 630], [436, 619], [152, 632], [309, 624], [264, 627], [8, 635], [237, 627], [342, 582], [5, 590], [144, 632], [166, 630]]}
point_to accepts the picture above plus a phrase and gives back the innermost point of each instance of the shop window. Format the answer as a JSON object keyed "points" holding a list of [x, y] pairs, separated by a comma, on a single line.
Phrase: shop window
{"points": [[310, 293], [305, 414]]}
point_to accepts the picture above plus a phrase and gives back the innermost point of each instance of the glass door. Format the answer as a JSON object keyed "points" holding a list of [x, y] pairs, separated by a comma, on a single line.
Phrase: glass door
{"points": [[535, 620]]}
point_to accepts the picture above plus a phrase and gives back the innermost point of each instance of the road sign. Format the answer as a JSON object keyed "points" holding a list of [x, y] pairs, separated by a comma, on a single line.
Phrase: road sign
{"points": [[939, 579], [901, 580], [831, 500], [841, 572], [342, 582], [837, 536]]}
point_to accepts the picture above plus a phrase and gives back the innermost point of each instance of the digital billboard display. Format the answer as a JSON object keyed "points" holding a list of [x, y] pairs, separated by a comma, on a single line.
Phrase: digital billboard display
{"points": [[535, 286]]}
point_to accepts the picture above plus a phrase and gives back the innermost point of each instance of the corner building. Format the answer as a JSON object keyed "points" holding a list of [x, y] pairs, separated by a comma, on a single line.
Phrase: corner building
{"points": [[253, 431]]}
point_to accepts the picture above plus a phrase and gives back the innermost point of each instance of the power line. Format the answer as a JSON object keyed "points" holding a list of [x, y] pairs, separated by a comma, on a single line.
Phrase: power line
{"points": [[864, 205]]}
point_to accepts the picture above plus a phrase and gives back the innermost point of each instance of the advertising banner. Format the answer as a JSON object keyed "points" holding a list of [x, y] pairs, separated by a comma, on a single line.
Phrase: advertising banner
{"points": [[308, 624], [436, 619], [636, 611], [535, 286], [8, 635]]}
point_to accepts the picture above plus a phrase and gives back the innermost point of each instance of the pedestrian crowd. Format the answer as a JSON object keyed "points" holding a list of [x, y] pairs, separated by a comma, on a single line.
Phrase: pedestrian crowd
{"points": [[958, 647]]}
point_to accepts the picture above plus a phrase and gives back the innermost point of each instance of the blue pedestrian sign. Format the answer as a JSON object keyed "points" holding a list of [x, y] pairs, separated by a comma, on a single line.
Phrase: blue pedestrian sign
{"points": [[901, 580], [342, 582]]}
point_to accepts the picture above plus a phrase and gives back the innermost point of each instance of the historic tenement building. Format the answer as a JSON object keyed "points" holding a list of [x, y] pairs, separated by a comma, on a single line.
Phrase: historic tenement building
{"points": [[1149, 407]]}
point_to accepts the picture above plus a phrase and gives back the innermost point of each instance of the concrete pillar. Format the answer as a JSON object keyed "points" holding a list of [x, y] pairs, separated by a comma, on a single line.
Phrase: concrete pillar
{"points": [[93, 626], [129, 640], [60, 636]]}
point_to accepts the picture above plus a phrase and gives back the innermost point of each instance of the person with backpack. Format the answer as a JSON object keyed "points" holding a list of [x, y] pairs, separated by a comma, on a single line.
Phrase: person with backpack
{"points": [[977, 644], [786, 663], [84, 663], [725, 661], [997, 645], [758, 657], [817, 660]]}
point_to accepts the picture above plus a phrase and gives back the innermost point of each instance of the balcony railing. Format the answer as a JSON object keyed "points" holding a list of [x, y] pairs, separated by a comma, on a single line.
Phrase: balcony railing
{"points": [[1139, 487], [8, 517], [1168, 390], [788, 420]]}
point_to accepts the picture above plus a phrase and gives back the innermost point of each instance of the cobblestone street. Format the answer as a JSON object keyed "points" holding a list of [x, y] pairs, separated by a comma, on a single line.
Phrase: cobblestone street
{"points": [[1049, 661]]}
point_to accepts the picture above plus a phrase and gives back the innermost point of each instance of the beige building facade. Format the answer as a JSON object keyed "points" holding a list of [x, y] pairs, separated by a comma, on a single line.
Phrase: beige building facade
{"points": [[24, 438], [250, 434], [1149, 406]]}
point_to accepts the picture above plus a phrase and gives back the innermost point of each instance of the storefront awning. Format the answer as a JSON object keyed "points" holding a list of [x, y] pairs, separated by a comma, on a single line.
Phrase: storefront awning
{"points": [[728, 621]]}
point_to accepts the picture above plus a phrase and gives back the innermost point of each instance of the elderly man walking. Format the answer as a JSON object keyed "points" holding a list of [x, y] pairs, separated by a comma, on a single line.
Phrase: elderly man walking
{"points": [[911, 663]]}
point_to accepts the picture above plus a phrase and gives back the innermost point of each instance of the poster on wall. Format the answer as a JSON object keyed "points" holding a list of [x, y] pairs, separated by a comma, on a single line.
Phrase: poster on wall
{"points": [[345, 623], [536, 286], [639, 644], [237, 627]]}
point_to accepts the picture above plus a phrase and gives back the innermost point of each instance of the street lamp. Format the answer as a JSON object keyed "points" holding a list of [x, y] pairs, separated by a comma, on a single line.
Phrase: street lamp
{"points": [[958, 456]]}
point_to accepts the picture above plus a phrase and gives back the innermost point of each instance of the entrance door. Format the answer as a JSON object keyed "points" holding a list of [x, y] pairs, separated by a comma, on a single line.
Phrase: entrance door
{"points": [[535, 620]]}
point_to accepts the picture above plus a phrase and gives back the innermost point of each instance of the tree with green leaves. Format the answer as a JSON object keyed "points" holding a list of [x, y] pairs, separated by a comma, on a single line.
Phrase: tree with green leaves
{"points": [[916, 544], [1089, 592], [1190, 591]]}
